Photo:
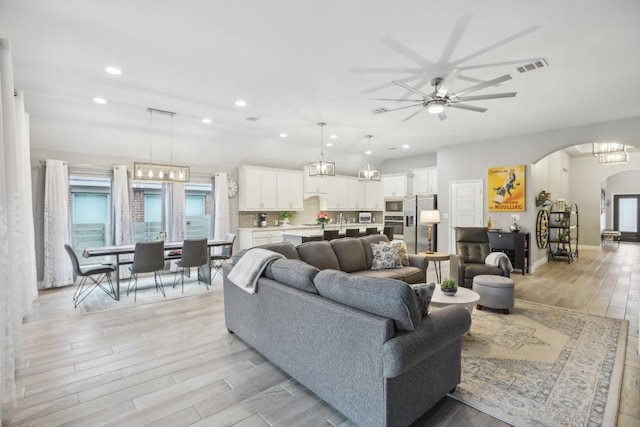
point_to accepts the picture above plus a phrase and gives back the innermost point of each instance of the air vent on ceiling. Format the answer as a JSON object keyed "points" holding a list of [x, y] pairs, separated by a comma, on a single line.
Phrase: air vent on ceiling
{"points": [[533, 66], [392, 148], [252, 119], [380, 110]]}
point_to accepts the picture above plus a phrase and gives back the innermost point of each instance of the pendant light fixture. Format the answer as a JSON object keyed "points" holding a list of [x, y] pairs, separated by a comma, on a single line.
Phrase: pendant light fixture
{"points": [[160, 171], [369, 173], [322, 167], [610, 153]]}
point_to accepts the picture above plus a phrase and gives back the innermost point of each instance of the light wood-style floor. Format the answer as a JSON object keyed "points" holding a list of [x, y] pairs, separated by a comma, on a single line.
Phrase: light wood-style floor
{"points": [[174, 364]]}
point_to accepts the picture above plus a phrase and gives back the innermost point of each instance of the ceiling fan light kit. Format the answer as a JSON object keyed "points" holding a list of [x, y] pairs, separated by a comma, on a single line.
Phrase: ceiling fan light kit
{"points": [[160, 171], [436, 106], [322, 167]]}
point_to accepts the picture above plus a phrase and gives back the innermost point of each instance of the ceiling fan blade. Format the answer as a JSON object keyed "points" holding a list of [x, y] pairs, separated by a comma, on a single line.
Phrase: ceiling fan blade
{"points": [[445, 85], [407, 52], [498, 44], [485, 84], [394, 99], [454, 39], [490, 96], [500, 64], [394, 109], [412, 89], [442, 116], [393, 70], [414, 114], [389, 84], [468, 107]]}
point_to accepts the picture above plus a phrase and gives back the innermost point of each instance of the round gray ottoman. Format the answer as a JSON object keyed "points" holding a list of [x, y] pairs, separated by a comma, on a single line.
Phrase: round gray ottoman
{"points": [[495, 292]]}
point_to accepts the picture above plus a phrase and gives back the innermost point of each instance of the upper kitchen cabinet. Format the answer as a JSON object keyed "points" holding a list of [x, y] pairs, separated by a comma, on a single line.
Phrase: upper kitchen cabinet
{"points": [[315, 185], [373, 197], [424, 181], [264, 189], [394, 185]]}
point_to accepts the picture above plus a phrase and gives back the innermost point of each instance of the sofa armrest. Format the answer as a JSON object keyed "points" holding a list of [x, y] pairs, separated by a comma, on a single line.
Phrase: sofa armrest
{"points": [[456, 268], [420, 261], [439, 329]]}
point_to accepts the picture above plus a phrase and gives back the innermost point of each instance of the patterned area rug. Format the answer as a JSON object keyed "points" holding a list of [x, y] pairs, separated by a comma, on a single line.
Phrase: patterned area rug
{"points": [[147, 294], [543, 366]]}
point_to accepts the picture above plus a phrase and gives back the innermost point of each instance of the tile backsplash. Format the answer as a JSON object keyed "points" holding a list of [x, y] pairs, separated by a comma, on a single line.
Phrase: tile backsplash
{"points": [[307, 216]]}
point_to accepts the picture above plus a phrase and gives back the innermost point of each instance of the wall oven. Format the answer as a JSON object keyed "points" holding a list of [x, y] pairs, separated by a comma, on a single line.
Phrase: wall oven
{"points": [[396, 222]]}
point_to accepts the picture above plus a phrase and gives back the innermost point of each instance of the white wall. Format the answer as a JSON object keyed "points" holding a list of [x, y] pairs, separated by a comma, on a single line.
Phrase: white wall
{"points": [[627, 182]]}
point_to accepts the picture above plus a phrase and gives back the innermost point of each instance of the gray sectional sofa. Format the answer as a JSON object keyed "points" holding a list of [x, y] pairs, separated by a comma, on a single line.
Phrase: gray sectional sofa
{"points": [[360, 343]]}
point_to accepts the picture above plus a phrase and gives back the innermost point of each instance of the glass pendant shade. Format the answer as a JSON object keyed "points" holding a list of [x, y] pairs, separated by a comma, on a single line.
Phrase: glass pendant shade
{"points": [[322, 167]]}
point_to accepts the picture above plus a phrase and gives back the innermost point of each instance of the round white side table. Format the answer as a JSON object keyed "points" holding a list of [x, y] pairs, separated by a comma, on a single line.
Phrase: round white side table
{"points": [[465, 297]]}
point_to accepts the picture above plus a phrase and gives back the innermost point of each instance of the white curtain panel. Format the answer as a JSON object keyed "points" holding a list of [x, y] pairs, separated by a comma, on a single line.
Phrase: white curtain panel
{"points": [[175, 218], [122, 217], [221, 215], [57, 265], [17, 252]]}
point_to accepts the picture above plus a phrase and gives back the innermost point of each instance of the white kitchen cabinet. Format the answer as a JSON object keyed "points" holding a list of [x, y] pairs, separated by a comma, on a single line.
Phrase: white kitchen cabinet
{"points": [[394, 185], [267, 189], [373, 197], [337, 193], [315, 184], [290, 190], [356, 194], [249, 238], [424, 180]]}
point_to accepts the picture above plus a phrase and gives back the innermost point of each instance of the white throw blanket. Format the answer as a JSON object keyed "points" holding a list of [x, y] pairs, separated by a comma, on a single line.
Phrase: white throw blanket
{"points": [[494, 259], [247, 271]]}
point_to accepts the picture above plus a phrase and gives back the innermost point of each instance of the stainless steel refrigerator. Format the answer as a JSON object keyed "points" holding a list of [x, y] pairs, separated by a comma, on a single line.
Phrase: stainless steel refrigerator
{"points": [[415, 234]]}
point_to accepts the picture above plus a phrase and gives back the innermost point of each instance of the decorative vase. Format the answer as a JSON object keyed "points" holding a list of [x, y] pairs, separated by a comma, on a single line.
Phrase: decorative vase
{"points": [[448, 291], [322, 225]]}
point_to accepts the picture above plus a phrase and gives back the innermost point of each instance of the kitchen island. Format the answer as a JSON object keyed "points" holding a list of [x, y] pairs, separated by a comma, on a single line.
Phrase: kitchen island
{"points": [[298, 237]]}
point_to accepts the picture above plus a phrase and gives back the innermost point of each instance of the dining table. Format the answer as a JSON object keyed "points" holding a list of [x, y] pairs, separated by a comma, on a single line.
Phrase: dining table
{"points": [[172, 251]]}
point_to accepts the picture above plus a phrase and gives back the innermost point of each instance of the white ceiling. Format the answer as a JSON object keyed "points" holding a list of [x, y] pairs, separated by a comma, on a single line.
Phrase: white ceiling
{"points": [[295, 62]]}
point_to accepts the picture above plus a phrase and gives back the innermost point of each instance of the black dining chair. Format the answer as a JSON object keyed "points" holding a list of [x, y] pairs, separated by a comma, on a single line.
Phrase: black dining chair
{"points": [[352, 232], [371, 230], [148, 257], [195, 253], [96, 274], [388, 231], [225, 254], [330, 234]]}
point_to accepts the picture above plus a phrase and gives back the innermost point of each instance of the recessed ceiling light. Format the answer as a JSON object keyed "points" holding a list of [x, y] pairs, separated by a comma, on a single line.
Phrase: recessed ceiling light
{"points": [[283, 135], [99, 100], [113, 70], [333, 136], [368, 152], [329, 144], [405, 146], [241, 103], [206, 121]]}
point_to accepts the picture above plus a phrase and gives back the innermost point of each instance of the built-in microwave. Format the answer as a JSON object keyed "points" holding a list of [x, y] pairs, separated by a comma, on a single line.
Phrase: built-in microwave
{"points": [[392, 206], [365, 217]]}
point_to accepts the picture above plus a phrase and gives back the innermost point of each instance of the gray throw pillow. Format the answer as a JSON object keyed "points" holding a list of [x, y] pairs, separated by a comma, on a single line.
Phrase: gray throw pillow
{"points": [[424, 292], [385, 256], [295, 273]]}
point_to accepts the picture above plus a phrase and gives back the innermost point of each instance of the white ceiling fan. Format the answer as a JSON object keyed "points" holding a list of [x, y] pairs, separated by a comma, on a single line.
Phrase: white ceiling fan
{"points": [[442, 96]]}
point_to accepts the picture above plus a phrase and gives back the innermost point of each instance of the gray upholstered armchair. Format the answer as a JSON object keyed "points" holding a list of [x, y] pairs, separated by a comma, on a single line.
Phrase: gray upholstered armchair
{"points": [[472, 248]]}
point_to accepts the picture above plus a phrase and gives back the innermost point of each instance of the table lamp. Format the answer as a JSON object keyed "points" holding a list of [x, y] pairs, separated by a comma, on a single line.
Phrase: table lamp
{"points": [[429, 217]]}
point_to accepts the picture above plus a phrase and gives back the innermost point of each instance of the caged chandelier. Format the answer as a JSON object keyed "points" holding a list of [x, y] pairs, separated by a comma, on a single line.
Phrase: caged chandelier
{"points": [[160, 171], [322, 167], [369, 173]]}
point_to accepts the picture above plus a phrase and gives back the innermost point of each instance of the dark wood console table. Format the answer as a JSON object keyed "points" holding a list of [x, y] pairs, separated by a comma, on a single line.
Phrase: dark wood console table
{"points": [[515, 245]]}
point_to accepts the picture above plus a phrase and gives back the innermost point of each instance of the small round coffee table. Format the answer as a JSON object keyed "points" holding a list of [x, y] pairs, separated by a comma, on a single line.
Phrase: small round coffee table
{"points": [[465, 297]]}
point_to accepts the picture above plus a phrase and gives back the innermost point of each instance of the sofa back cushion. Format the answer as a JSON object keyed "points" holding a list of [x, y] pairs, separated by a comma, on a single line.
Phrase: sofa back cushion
{"points": [[350, 254], [319, 254], [366, 245], [295, 273], [388, 298], [287, 249]]}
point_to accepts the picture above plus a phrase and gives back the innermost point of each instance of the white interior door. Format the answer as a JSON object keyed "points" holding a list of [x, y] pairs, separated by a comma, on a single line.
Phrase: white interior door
{"points": [[466, 207]]}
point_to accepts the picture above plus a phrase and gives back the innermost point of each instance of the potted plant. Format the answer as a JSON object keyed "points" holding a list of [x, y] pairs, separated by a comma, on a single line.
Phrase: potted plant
{"points": [[286, 217], [449, 286]]}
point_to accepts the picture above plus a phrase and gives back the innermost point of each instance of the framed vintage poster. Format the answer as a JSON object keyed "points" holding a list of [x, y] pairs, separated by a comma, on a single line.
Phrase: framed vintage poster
{"points": [[506, 189]]}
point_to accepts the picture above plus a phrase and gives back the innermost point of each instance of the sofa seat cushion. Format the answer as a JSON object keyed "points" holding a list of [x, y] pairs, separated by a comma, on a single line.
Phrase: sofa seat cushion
{"points": [[407, 274], [319, 254], [295, 273], [388, 298], [350, 254]]}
